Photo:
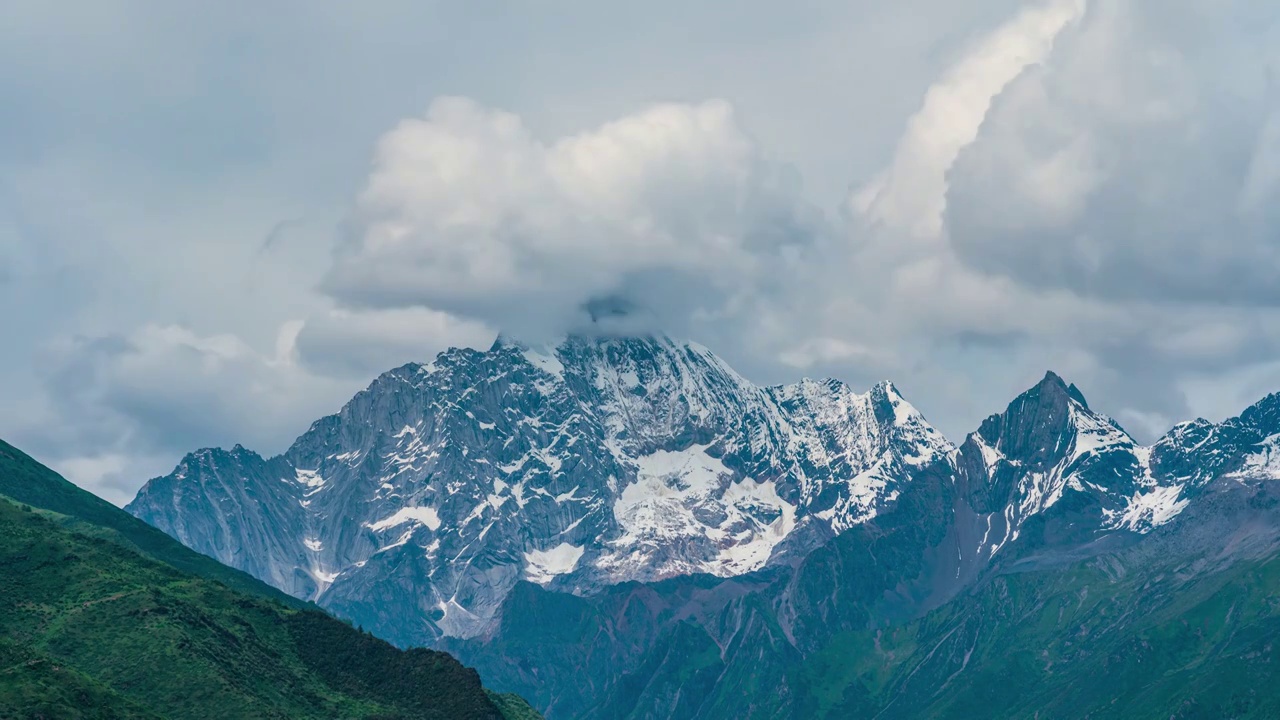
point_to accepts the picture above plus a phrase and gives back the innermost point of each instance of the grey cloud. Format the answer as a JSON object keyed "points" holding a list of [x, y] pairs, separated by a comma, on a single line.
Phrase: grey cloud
{"points": [[279, 233], [977, 338], [365, 344], [112, 477], [164, 389], [1105, 222], [672, 208], [1139, 163]]}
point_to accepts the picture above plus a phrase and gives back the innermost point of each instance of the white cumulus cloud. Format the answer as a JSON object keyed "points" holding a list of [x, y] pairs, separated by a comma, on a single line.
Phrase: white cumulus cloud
{"points": [[466, 211]]}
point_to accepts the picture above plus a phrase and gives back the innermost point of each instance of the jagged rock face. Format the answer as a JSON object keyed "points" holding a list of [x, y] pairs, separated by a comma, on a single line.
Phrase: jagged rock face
{"points": [[256, 515], [1051, 458], [417, 508], [1078, 474], [1071, 486], [1196, 452]]}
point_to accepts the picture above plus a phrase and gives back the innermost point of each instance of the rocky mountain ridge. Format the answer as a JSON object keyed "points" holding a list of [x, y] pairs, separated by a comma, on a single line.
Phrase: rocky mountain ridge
{"points": [[600, 461], [418, 507], [1050, 550]]}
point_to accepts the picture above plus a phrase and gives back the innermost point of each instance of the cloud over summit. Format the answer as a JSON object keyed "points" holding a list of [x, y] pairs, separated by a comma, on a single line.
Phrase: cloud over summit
{"points": [[672, 208]]}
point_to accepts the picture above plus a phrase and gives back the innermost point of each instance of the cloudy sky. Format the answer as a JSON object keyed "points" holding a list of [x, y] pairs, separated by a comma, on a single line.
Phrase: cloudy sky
{"points": [[220, 220]]}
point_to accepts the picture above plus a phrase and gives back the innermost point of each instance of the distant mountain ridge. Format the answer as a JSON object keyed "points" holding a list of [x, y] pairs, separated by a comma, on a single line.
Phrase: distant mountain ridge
{"points": [[610, 501], [606, 460]]}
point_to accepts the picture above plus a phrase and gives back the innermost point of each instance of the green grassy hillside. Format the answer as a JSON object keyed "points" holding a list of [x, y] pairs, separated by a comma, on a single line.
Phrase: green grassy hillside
{"points": [[24, 480], [1102, 639], [98, 621]]}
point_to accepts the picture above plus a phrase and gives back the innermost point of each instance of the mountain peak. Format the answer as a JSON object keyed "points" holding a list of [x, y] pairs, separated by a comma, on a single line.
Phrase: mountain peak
{"points": [[886, 388], [1053, 378], [1048, 445], [1053, 383], [1263, 414], [549, 344], [900, 410], [1043, 419]]}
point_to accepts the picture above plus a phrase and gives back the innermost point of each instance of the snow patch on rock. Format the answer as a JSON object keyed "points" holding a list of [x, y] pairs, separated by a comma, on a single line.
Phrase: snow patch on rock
{"points": [[1148, 511], [687, 496], [1265, 463], [543, 566], [545, 360], [421, 515], [309, 478]]}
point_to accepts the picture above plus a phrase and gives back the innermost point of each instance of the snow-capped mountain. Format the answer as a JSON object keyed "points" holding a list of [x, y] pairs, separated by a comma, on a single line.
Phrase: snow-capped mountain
{"points": [[1194, 453], [1080, 475], [603, 460], [594, 462], [1050, 457], [1047, 499]]}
